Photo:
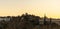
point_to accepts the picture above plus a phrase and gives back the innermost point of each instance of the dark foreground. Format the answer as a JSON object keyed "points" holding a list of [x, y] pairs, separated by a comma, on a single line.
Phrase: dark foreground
{"points": [[26, 22]]}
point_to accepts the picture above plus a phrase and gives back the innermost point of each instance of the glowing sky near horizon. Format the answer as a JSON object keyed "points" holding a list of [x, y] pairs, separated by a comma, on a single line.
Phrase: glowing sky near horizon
{"points": [[37, 7]]}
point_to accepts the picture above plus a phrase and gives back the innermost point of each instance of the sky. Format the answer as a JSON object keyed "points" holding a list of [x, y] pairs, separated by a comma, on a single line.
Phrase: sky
{"points": [[37, 7]]}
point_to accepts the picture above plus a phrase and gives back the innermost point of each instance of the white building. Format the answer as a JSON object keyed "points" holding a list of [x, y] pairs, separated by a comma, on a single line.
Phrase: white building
{"points": [[4, 18]]}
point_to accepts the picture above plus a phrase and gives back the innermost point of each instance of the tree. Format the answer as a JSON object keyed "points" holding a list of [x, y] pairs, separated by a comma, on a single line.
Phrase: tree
{"points": [[44, 19]]}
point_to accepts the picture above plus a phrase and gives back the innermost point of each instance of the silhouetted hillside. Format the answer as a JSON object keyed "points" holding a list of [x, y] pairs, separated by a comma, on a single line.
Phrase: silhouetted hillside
{"points": [[27, 21]]}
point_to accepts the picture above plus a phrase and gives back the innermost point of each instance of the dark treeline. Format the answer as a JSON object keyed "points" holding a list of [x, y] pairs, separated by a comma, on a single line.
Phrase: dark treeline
{"points": [[25, 21]]}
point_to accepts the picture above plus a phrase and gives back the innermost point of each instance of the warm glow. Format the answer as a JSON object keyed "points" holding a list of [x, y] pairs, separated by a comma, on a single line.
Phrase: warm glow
{"points": [[37, 7]]}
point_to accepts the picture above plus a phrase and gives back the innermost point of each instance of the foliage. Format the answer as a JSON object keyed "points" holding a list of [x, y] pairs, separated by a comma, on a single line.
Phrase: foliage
{"points": [[25, 21]]}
